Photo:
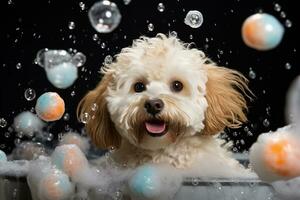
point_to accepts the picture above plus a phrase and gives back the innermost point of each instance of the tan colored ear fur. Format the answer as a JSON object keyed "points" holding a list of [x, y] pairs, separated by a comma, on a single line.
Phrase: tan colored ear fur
{"points": [[100, 127], [225, 90]]}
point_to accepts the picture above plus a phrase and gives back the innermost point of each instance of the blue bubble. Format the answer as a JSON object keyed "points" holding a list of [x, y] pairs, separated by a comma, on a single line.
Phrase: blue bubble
{"points": [[2, 156], [145, 183], [63, 75]]}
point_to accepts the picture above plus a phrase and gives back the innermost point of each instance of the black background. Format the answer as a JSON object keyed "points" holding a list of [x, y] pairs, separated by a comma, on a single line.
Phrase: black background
{"points": [[29, 26]]}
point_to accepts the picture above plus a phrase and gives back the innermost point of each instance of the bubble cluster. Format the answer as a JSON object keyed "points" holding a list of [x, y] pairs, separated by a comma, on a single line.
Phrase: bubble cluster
{"points": [[194, 19], [60, 66], [104, 16]]}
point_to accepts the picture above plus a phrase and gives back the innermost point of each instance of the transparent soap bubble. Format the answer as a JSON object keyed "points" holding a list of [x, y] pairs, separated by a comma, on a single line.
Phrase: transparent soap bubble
{"points": [[161, 7], [126, 2], [29, 94], [150, 27], [85, 117], [104, 16], [71, 25], [194, 19], [3, 123]]}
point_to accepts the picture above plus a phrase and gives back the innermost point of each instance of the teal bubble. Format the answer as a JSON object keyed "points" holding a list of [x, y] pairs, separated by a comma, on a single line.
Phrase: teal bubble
{"points": [[2, 156], [145, 183], [62, 75]]}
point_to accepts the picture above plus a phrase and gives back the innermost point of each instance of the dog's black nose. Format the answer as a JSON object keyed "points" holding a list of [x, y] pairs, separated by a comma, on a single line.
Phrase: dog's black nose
{"points": [[154, 106]]}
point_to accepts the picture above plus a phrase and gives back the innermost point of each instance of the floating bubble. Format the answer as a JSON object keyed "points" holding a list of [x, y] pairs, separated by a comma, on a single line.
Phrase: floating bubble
{"points": [[266, 123], [60, 66], [108, 59], [19, 66], [145, 183], [71, 25], [252, 74], [66, 116], [150, 27], [27, 123], [3, 123], [94, 107], [50, 106], [79, 59], [82, 5], [194, 19], [288, 23], [95, 37], [161, 7], [85, 117], [277, 7], [104, 16], [288, 66], [2, 156], [70, 159], [29, 94], [262, 31], [173, 34], [126, 2]]}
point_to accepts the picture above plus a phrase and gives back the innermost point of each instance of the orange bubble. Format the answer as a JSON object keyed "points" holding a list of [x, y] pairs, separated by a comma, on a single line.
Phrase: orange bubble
{"points": [[50, 106], [282, 156]]}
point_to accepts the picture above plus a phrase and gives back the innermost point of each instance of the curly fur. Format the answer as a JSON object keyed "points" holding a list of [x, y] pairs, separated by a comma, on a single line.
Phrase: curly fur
{"points": [[213, 98]]}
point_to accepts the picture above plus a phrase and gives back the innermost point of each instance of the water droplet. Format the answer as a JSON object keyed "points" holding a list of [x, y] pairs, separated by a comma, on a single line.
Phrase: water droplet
{"points": [[79, 59], [150, 27], [266, 123], [82, 5], [288, 23], [118, 195], [112, 149], [29, 94], [66, 116], [71, 25], [242, 142], [3, 123], [94, 107], [95, 37], [17, 141], [252, 74], [277, 7], [161, 7], [126, 2], [173, 34], [194, 19], [50, 137], [288, 66], [85, 117], [282, 14], [108, 59], [195, 181], [19, 66], [7, 134], [73, 93], [2, 146], [103, 45], [104, 16]]}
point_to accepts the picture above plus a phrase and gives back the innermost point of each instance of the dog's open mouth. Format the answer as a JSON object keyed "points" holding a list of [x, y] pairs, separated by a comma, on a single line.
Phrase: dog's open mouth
{"points": [[156, 128]]}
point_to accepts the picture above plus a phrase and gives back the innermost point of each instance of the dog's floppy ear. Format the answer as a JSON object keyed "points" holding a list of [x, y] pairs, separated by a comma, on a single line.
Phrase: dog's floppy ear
{"points": [[100, 127], [225, 90]]}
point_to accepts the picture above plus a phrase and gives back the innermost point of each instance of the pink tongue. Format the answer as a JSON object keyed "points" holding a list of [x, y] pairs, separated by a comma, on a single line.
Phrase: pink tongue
{"points": [[158, 127]]}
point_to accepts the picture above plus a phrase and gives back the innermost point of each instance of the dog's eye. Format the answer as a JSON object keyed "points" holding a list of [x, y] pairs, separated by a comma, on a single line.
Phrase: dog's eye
{"points": [[176, 86], [139, 87]]}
